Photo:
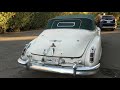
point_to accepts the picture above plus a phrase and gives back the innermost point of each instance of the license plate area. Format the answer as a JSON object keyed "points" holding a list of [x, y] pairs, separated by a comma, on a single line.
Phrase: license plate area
{"points": [[51, 60], [108, 21]]}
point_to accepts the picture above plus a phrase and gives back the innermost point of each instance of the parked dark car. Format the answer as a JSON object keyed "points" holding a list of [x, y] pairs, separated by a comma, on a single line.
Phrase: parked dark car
{"points": [[108, 22]]}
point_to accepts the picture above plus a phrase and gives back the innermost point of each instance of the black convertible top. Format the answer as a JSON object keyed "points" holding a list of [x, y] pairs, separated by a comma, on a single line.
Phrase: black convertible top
{"points": [[72, 21], [88, 16]]}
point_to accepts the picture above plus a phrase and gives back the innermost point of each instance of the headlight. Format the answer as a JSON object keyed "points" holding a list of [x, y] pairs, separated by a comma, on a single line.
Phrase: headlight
{"points": [[25, 49], [92, 54]]}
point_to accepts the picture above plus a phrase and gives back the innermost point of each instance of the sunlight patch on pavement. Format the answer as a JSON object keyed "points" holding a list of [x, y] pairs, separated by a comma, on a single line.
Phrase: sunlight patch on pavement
{"points": [[17, 38]]}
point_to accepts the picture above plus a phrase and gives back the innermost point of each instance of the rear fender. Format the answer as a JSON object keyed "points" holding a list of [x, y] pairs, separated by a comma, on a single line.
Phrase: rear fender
{"points": [[96, 44]]}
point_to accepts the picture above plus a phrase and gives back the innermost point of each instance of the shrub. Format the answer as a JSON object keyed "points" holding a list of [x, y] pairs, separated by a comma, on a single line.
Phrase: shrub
{"points": [[33, 20], [4, 17]]}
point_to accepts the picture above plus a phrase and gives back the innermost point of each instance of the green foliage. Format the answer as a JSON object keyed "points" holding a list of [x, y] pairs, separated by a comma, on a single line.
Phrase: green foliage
{"points": [[118, 23], [40, 19], [21, 20], [34, 20], [4, 17]]}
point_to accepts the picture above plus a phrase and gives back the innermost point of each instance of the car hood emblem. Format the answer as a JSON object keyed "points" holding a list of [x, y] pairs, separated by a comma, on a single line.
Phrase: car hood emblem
{"points": [[53, 45]]}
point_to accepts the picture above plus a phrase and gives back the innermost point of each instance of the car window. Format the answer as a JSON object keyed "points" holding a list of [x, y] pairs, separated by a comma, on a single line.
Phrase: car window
{"points": [[66, 24], [107, 17], [71, 23]]}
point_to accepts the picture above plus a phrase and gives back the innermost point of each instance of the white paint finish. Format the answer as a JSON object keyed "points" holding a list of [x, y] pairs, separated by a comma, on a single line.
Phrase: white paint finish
{"points": [[68, 43], [73, 42], [96, 43]]}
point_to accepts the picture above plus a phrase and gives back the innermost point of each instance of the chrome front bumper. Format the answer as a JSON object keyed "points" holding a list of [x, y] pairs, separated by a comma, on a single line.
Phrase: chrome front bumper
{"points": [[64, 70]]}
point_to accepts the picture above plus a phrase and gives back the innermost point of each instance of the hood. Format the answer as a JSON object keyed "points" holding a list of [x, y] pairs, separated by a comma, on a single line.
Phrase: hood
{"points": [[62, 42]]}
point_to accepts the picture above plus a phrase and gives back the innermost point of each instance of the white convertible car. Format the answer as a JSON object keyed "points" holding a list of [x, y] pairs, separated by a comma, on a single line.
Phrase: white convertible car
{"points": [[69, 45]]}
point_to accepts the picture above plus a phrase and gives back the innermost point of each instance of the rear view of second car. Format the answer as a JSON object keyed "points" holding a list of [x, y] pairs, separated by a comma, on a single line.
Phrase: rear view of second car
{"points": [[108, 22]]}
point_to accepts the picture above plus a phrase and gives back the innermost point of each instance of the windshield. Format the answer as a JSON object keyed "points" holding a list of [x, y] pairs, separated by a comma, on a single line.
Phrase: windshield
{"points": [[107, 17], [82, 23], [66, 24]]}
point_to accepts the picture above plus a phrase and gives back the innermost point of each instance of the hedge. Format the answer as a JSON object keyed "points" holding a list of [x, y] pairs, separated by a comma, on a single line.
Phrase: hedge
{"points": [[31, 20]]}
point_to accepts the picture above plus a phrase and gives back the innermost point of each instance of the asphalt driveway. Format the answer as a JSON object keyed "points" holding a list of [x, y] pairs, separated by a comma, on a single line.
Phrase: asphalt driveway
{"points": [[11, 45]]}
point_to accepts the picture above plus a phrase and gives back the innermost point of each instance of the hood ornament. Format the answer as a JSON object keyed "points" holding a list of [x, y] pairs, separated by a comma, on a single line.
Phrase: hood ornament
{"points": [[53, 48], [53, 45]]}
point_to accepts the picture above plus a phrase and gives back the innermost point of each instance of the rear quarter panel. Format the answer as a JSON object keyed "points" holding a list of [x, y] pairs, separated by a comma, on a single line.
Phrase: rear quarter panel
{"points": [[96, 43]]}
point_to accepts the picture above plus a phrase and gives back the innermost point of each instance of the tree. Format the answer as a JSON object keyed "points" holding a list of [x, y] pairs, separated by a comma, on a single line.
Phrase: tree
{"points": [[4, 17]]}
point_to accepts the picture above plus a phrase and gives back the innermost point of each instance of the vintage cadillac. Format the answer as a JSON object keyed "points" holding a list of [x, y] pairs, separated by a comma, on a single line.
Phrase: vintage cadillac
{"points": [[69, 45]]}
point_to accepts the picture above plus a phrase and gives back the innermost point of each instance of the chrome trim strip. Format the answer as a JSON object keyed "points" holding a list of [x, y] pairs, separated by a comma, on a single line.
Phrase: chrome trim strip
{"points": [[66, 26]]}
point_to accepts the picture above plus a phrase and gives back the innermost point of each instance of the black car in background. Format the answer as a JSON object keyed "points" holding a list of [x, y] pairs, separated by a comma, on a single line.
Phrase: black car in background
{"points": [[108, 22]]}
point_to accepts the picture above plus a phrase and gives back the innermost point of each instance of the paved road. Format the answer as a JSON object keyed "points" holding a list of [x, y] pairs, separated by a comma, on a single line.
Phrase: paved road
{"points": [[11, 45]]}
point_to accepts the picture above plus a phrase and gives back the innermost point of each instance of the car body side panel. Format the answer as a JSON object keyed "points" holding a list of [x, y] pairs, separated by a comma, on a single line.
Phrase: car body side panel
{"points": [[96, 43]]}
